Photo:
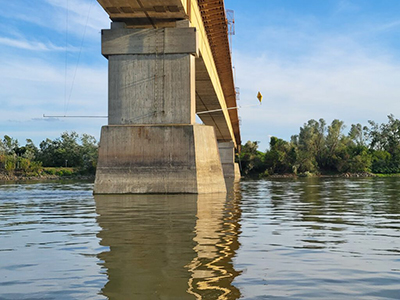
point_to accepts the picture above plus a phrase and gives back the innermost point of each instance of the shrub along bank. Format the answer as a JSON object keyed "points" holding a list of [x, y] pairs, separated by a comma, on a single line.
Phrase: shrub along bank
{"points": [[321, 149], [67, 156]]}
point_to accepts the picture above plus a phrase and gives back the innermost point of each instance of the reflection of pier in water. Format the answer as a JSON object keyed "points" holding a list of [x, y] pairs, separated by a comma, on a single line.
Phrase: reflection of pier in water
{"points": [[169, 246]]}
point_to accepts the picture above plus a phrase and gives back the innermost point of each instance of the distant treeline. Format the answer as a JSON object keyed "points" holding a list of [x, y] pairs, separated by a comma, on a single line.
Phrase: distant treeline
{"points": [[77, 154], [322, 149], [317, 149]]}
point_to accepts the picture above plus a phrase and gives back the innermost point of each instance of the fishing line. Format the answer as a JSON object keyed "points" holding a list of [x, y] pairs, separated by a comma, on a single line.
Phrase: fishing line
{"points": [[79, 57], [66, 56]]}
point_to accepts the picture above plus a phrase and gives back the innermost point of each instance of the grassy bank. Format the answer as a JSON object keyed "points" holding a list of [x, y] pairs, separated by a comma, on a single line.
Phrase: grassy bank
{"points": [[324, 175], [47, 173], [387, 175]]}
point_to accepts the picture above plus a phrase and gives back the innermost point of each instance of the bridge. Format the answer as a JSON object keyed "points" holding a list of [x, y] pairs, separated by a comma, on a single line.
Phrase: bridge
{"points": [[168, 61]]}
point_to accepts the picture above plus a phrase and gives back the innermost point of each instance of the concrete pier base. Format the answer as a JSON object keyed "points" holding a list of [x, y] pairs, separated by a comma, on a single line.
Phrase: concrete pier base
{"points": [[238, 175], [158, 159], [227, 154]]}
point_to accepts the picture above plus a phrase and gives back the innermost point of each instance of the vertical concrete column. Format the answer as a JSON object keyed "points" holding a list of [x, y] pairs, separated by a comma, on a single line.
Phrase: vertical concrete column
{"points": [[227, 155], [151, 143], [151, 75]]}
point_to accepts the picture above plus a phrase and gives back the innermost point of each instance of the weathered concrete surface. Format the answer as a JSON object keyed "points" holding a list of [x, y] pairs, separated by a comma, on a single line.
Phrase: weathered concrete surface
{"points": [[210, 178], [238, 174], [146, 84], [119, 41], [227, 155], [151, 145], [151, 89], [158, 159]]}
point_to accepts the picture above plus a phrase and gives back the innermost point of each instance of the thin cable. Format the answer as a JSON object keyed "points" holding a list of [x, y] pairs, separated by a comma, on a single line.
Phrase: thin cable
{"points": [[79, 57], [221, 109], [66, 56], [93, 117]]}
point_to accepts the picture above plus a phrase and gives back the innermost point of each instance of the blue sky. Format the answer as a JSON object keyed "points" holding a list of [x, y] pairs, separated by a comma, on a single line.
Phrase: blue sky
{"points": [[310, 59]]}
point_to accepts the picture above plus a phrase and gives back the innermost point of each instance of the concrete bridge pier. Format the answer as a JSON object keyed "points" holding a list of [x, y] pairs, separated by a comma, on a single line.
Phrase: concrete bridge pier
{"points": [[227, 154], [151, 143]]}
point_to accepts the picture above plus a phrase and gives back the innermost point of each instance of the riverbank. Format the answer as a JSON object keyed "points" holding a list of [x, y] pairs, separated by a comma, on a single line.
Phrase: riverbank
{"points": [[331, 175], [307, 174], [48, 174], [59, 175]]}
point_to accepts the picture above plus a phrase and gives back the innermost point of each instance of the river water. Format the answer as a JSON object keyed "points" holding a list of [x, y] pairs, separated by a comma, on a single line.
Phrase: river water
{"points": [[277, 239]]}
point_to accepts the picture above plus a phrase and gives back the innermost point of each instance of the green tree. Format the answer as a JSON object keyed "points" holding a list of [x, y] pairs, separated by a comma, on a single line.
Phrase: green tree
{"points": [[382, 162], [10, 164], [359, 160], [251, 159], [9, 145], [70, 150], [358, 134], [391, 135], [61, 152], [311, 144], [335, 155], [385, 139], [47, 153], [2, 148], [335, 138], [281, 157], [89, 153]]}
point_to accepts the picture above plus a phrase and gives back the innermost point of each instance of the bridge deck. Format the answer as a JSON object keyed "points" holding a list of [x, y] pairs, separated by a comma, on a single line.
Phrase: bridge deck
{"points": [[214, 77]]}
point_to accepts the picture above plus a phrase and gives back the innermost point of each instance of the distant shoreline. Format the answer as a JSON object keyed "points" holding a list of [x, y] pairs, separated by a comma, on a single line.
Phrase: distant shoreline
{"points": [[311, 175], [45, 177], [91, 178]]}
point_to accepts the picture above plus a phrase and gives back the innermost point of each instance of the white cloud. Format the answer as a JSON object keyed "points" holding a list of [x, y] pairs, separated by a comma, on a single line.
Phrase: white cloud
{"points": [[38, 82], [31, 87], [72, 17], [80, 14], [339, 77], [30, 45]]}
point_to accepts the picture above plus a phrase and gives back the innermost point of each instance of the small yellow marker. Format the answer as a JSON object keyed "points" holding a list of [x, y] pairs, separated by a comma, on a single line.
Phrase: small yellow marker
{"points": [[259, 97]]}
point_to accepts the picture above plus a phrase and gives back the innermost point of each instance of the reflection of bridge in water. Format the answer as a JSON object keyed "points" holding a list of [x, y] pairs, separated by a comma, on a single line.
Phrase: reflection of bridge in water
{"points": [[169, 246], [168, 60]]}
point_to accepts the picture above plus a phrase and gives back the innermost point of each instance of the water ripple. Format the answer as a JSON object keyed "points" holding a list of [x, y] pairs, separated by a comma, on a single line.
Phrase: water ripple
{"points": [[274, 239], [43, 226], [320, 239]]}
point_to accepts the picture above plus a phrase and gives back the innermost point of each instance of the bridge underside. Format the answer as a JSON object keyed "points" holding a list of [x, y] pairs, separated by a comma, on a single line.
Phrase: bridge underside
{"points": [[207, 100], [162, 71], [214, 78]]}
